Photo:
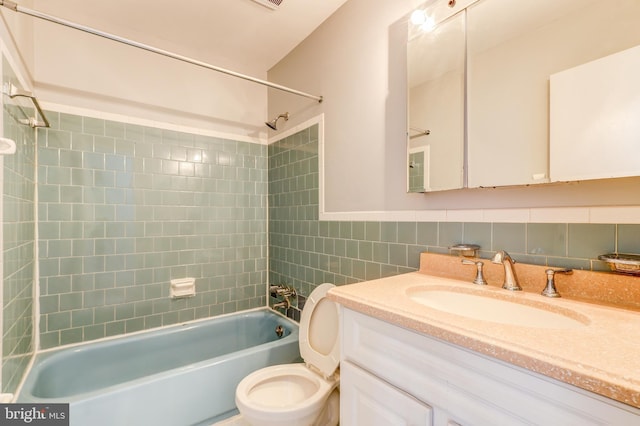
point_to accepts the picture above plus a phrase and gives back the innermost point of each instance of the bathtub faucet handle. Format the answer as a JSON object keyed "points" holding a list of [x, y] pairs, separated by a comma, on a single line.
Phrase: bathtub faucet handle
{"points": [[282, 290]]}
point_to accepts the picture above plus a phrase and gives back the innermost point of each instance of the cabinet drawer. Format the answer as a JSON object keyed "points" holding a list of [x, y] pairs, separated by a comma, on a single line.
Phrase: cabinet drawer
{"points": [[367, 400]]}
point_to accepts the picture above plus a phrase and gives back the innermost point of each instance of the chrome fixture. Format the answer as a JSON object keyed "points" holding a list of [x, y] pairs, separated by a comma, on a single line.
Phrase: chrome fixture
{"points": [[285, 304], [273, 123], [419, 132], [12, 92], [12, 5], [282, 290], [479, 279], [279, 331], [271, 4], [510, 281], [550, 289], [466, 250]]}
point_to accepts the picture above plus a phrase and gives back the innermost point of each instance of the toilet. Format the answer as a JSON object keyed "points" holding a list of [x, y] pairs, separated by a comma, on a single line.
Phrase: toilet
{"points": [[300, 394]]}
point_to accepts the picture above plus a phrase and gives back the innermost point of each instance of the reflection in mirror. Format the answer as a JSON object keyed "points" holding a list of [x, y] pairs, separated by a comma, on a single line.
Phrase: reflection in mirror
{"points": [[436, 80], [513, 49]]}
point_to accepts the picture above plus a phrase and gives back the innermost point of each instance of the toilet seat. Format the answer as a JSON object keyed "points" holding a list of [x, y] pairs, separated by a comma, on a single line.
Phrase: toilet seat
{"points": [[285, 388], [298, 393], [319, 340]]}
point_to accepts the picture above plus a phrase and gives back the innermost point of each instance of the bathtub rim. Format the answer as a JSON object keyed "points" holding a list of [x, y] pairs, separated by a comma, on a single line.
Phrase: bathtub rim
{"points": [[133, 334]]}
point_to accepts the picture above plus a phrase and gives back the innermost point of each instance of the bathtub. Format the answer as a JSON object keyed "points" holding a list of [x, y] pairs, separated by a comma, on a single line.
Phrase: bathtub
{"points": [[179, 375]]}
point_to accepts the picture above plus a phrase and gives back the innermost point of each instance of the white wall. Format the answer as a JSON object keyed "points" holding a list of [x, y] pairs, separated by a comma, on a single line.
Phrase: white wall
{"points": [[356, 60], [70, 68]]}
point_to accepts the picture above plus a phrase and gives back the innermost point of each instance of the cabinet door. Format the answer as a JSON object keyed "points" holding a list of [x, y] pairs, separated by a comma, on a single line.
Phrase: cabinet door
{"points": [[596, 136], [367, 400]]}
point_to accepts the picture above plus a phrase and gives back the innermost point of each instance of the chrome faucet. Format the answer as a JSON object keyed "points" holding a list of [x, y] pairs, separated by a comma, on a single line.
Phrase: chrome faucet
{"points": [[510, 281], [479, 279], [550, 289]]}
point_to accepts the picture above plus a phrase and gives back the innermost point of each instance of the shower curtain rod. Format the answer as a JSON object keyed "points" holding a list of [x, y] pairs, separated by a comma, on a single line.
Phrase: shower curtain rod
{"points": [[17, 8]]}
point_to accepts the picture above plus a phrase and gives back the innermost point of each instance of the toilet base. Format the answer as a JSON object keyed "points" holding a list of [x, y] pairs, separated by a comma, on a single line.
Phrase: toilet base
{"points": [[330, 415]]}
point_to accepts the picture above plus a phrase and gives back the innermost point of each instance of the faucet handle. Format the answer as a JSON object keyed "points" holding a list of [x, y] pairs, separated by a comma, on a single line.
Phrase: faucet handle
{"points": [[479, 279], [550, 289]]}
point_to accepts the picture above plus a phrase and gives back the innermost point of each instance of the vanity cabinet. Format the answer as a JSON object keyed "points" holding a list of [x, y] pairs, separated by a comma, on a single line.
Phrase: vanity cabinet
{"points": [[391, 375]]}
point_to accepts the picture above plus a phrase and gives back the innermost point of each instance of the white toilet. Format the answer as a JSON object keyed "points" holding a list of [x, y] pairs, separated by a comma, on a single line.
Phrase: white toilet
{"points": [[300, 394]]}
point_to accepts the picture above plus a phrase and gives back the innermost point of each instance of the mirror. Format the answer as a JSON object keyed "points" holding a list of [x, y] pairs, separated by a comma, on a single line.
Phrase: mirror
{"points": [[513, 49], [436, 107]]}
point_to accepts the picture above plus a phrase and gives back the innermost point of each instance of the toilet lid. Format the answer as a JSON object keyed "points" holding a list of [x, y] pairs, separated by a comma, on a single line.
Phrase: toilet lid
{"points": [[319, 332]]}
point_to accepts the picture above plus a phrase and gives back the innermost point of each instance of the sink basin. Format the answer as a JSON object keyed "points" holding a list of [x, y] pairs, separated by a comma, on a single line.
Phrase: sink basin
{"points": [[498, 309]]}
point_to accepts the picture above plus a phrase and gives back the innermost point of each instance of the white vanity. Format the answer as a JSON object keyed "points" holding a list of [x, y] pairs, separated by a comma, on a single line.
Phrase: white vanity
{"points": [[404, 362]]}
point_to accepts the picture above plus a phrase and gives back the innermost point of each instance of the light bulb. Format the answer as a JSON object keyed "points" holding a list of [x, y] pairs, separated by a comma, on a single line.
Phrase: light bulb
{"points": [[418, 17], [428, 24]]}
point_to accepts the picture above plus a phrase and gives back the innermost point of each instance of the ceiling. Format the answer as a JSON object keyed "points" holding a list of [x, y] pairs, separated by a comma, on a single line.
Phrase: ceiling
{"points": [[241, 35]]}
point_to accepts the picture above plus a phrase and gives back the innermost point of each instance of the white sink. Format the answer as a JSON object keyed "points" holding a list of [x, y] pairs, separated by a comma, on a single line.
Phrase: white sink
{"points": [[494, 308]]}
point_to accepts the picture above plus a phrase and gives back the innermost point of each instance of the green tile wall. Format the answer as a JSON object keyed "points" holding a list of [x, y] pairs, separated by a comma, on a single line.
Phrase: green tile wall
{"points": [[18, 237], [305, 252], [125, 208]]}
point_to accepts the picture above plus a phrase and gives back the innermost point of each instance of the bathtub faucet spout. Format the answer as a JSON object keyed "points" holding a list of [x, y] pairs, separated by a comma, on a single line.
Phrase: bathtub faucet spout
{"points": [[285, 304]]}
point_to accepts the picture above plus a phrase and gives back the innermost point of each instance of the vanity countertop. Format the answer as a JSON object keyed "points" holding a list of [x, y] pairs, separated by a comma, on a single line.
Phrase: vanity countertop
{"points": [[602, 357]]}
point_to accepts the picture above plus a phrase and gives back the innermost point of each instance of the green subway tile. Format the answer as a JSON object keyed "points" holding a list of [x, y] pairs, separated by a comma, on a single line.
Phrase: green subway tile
{"points": [[628, 239], [95, 161], [427, 233], [124, 311], [549, 239], [70, 158], [510, 237], [398, 254], [82, 142], [407, 232], [358, 230], [49, 339], [590, 240], [93, 332], [365, 250], [71, 123], [49, 304], [93, 298], [381, 252], [372, 271], [70, 301], [70, 194], [389, 232], [449, 233], [68, 337], [103, 314], [106, 145], [81, 317], [115, 129], [48, 157], [372, 231], [114, 328], [359, 269], [58, 139], [93, 126], [58, 321]]}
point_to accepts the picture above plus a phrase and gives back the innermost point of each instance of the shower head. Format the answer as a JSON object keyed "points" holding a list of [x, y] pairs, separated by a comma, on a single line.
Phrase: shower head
{"points": [[273, 123]]}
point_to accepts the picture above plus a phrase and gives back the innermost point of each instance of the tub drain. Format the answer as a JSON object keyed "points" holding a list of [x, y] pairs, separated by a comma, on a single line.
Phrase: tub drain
{"points": [[279, 330]]}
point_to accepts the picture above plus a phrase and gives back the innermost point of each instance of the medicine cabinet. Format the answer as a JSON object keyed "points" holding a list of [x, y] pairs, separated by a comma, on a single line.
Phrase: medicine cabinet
{"points": [[489, 64]]}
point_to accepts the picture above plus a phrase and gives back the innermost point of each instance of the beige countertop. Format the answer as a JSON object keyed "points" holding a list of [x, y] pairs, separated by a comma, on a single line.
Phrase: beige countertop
{"points": [[601, 356]]}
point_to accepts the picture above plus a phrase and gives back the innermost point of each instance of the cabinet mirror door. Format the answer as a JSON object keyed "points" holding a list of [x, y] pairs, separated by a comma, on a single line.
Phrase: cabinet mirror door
{"points": [[436, 80], [514, 47]]}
